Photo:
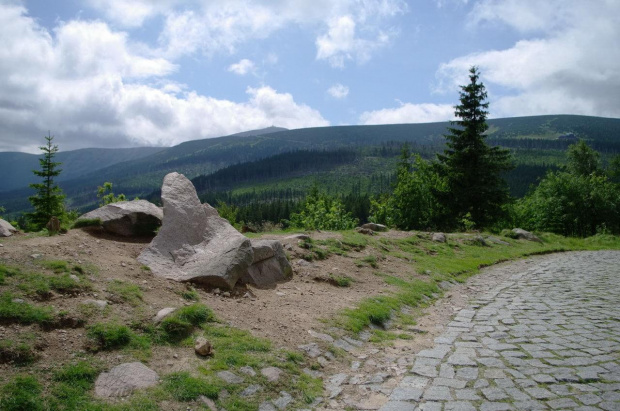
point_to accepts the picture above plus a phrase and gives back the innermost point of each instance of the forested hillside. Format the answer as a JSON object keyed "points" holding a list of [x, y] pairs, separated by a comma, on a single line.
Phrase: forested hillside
{"points": [[342, 160]]}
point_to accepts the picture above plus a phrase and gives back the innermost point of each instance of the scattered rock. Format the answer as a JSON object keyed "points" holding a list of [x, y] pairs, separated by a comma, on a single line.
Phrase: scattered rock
{"points": [[271, 373], [266, 406], [302, 237], [128, 218], [35, 256], [17, 300], [374, 227], [74, 278], [101, 304], [123, 379], [269, 265], [250, 390], [194, 242], [496, 240], [163, 313], [283, 401], [526, 235], [208, 402], [203, 347], [6, 229], [229, 377], [312, 349], [364, 231], [438, 237], [320, 336], [247, 370]]}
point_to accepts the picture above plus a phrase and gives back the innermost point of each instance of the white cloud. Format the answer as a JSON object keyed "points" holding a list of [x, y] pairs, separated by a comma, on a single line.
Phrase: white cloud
{"points": [[243, 67], [87, 84], [570, 67], [409, 113], [338, 91], [347, 29]]}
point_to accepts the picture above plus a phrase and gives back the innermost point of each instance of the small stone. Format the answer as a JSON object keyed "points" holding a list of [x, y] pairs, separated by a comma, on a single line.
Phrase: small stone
{"points": [[226, 294], [216, 291], [247, 370], [283, 401], [271, 373], [123, 379], [250, 390], [202, 347], [312, 349], [163, 313], [229, 377]]}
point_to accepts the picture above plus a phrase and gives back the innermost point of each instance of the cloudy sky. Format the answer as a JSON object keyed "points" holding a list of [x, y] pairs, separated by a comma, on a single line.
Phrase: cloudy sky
{"points": [[123, 73]]}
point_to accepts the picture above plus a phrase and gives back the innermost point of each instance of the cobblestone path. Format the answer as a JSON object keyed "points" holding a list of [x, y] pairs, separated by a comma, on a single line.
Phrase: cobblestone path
{"points": [[547, 338]]}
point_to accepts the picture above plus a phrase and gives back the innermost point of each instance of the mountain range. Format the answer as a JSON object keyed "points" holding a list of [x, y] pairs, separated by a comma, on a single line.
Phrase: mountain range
{"points": [[367, 153]]}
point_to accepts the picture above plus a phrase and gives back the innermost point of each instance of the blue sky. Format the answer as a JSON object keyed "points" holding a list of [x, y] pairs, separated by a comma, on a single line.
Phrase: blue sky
{"points": [[123, 73]]}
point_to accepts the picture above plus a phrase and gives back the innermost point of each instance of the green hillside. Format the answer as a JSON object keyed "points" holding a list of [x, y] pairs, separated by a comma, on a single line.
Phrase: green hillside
{"points": [[533, 140]]}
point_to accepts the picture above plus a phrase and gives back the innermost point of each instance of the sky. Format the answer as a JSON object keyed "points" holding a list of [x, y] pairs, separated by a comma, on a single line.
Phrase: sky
{"points": [[127, 73]]}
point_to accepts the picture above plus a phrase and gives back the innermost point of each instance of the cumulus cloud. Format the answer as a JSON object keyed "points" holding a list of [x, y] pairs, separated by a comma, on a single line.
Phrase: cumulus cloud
{"points": [[214, 26], [243, 67], [409, 113], [338, 91], [568, 66], [90, 87]]}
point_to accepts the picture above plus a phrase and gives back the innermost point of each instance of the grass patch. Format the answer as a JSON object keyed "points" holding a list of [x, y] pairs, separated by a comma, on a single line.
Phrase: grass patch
{"points": [[234, 348], [21, 394], [20, 352], [109, 336], [183, 387], [12, 311], [7, 271], [340, 280], [58, 266], [190, 294], [127, 292]]}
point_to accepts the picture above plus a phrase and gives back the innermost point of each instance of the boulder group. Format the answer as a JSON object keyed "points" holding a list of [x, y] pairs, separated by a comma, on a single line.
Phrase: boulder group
{"points": [[127, 218], [195, 244]]}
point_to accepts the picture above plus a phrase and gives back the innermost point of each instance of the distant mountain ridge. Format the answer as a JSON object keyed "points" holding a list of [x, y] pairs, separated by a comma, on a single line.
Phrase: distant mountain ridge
{"points": [[140, 176]]}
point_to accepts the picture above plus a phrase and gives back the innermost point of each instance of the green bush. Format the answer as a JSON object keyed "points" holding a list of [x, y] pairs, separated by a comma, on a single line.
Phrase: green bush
{"points": [[322, 212]]}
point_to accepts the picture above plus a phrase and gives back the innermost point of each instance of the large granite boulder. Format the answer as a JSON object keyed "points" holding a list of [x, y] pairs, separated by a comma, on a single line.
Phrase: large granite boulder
{"points": [[124, 379], [128, 218], [194, 242], [269, 265], [6, 229]]}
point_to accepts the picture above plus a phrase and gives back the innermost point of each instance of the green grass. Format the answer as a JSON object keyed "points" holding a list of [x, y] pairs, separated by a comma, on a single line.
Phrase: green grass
{"points": [[23, 393], [127, 292], [58, 266], [340, 280], [183, 387], [19, 352], [190, 294], [22, 312], [109, 336], [456, 260]]}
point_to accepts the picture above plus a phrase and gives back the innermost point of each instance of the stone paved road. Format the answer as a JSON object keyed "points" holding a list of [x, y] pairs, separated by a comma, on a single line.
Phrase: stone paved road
{"points": [[548, 338]]}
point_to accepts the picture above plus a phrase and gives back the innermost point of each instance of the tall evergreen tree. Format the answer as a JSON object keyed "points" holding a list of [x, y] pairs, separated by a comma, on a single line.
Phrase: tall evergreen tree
{"points": [[473, 169], [49, 200]]}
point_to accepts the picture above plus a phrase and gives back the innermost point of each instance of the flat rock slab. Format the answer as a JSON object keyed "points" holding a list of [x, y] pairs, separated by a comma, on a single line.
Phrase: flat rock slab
{"points": [[271, 373], [124, 379], [128, 218]]}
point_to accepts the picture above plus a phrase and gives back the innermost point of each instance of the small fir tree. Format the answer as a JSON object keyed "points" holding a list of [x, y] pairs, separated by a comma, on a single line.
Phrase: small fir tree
{"points": [[48, 202], [472, 169]]}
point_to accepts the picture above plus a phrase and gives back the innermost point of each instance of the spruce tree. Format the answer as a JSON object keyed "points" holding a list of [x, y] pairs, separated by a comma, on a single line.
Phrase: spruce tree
{"points": [[49, 200], [473, 170]]}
